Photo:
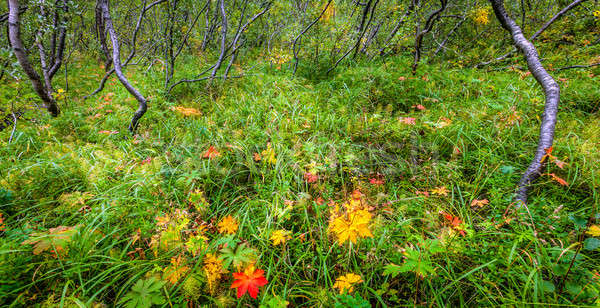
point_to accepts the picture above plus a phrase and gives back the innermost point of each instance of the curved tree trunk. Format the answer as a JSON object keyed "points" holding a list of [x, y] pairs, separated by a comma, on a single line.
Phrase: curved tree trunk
{"points": [[431, 20], [296, 50], [551, 91], [116, 59], [14, 38]]}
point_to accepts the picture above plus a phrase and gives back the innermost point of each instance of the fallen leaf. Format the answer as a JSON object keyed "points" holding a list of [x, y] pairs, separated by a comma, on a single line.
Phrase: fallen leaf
{"points": [[376, 181], [407, 120], [558, 179], [424, 193], [310, 177], [440, 191], [480, 203], [249, 281], [108, 132], [594, 230], [211, 152]]}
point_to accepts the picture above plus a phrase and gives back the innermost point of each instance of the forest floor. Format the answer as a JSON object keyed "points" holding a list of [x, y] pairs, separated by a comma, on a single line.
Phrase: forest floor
{"points": [[405, 181]]}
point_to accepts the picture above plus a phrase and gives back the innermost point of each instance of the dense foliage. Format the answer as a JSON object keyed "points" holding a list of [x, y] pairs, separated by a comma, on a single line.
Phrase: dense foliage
{"points": [[298, 154]]}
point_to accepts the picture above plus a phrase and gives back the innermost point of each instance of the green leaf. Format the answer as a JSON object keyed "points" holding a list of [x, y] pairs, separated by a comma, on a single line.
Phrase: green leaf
{"points": [[591, 243], [274, 302], [559, 269], [144, 294], [548, 286], [393, 269], [348, 301], [238, 256], [573, 288], [579, 222], [507, 169]]}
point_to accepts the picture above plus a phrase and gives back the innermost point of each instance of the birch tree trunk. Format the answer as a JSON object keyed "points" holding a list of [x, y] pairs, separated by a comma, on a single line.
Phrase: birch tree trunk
{"points": [[551, 91]]}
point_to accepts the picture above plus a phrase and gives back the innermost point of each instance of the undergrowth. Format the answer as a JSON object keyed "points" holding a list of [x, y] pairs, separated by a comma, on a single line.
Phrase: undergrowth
{"points": [[93, 216]]}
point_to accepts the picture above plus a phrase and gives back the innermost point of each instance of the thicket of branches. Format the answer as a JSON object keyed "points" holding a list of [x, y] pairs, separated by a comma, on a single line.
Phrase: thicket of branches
{"points": [[43, 37]]}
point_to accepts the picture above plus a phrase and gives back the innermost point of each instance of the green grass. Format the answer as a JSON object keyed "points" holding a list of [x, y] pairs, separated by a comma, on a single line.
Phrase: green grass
{"points": [[475, 137]]}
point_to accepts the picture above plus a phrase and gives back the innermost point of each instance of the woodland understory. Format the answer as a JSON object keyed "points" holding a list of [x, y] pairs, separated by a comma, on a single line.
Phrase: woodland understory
{"points": [[299, 153]]}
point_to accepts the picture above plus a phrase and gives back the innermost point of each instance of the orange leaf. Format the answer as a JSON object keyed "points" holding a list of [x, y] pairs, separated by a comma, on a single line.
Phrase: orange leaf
{"points": [[211, 152], [558, 179], [560, 164], [356, 194], [480, 203], [547, 155], [175, 271]]}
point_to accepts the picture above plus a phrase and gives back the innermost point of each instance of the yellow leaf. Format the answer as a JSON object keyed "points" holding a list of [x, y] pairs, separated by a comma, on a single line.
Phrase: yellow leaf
{"points": [[175, 271], [594, 230], [280, 237], [441, 191], [346, 282]]}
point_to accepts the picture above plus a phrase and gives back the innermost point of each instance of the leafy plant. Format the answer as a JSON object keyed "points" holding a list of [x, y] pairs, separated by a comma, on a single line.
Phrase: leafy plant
{"points": [[417, 260], [55, 240], [351, 301], [144, 294], [275, 301], [237, 256]]}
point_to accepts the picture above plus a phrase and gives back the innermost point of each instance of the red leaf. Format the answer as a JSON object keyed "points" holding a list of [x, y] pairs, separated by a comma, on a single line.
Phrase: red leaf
{"points": [[211, 152], [454, 222], [376, 181], [249, 281], [424, 193], [408, 120], [310, 177], [147, 160]]}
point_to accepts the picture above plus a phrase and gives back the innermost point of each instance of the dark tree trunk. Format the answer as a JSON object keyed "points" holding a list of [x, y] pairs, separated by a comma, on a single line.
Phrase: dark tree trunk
{"points": [[14, 38], [431, 20], [296, 50]]}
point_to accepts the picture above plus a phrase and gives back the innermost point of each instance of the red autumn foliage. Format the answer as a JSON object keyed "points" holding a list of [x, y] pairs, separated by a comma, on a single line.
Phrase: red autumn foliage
{"points": [[454, 222], [376, 181], [310, 177], [211, 152], [249, 281]]}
